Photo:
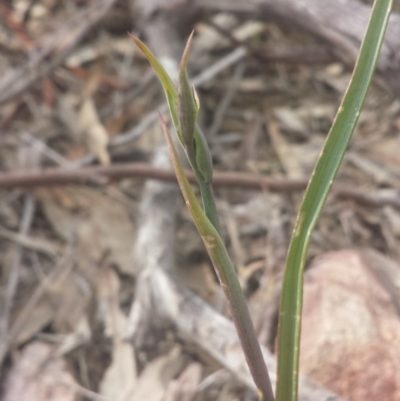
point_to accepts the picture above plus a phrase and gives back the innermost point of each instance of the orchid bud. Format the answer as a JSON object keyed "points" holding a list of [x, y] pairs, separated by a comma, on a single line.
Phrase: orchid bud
{"points": [[188, 106], [190, 134]]}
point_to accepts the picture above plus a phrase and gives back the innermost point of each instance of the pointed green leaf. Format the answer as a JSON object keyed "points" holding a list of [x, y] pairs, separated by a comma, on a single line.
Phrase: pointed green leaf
{"points": [[169, 88], [314, 199], [200, 219], [199, 155], [202, 162], [187, 105]]}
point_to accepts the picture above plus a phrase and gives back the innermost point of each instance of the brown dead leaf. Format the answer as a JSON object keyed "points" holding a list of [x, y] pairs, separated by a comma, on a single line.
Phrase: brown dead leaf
{"points": [[38, 376], [185, 386], [81, 335], [108, 286], [208, 38], [387, 151], [350, 329], [67, 113], [29, 325], [96, 134], [297, 159], [284, 151], [248, 30], [290, 120], [334, 76], [199, 278], [193, 271], [98, 222], [59, 299], [307, 153], [155, 378], [120, 377], [393, 218]]}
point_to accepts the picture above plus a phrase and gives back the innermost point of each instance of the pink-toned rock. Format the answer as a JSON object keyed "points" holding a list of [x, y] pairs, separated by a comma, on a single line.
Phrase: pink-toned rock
{"points": [[351, 329]]}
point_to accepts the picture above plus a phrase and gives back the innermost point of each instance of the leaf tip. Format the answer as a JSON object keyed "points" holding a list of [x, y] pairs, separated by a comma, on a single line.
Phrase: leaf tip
{"points": [[133, 37], [138, 42], [185, 54]]}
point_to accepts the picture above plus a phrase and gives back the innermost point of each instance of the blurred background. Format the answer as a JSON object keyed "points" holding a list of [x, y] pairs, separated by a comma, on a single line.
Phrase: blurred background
{"points": [[106, 291]]}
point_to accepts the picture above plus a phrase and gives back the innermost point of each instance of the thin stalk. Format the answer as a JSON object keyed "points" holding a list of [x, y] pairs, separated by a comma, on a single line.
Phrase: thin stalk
{"points": [[184, 106], [227, 277], [314, 199], [210, 209], [199, 156], [206, 193]]}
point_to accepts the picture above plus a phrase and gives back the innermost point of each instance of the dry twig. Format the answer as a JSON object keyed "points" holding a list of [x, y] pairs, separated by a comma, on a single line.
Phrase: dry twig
{"points": [[59, 176], [26, 221]]}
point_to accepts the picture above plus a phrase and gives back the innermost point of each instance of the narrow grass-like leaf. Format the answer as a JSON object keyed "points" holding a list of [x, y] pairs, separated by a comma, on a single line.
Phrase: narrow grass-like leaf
{"points": [[227, 277], [201, 161], [169, 88], [314, 199], [188, 105]]}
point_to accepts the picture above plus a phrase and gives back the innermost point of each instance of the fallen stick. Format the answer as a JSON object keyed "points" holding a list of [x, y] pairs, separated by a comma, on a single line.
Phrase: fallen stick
{"points": [[143, 171]]}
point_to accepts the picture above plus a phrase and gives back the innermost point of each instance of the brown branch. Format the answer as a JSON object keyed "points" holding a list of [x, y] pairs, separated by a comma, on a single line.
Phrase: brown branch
{"points": [[59, 176], [102, 174]]}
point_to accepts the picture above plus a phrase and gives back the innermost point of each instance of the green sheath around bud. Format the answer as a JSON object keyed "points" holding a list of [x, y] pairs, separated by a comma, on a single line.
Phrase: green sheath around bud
{"points": [[188, 107], [192, 137], [184, 108], [202, 154]]}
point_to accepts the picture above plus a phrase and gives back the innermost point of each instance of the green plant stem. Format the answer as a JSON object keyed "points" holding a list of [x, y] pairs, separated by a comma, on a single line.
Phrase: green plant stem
{"points": [[210, 209], [206, 192], [314, 199], [227, 277], [241, 318], [183, 109]]}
